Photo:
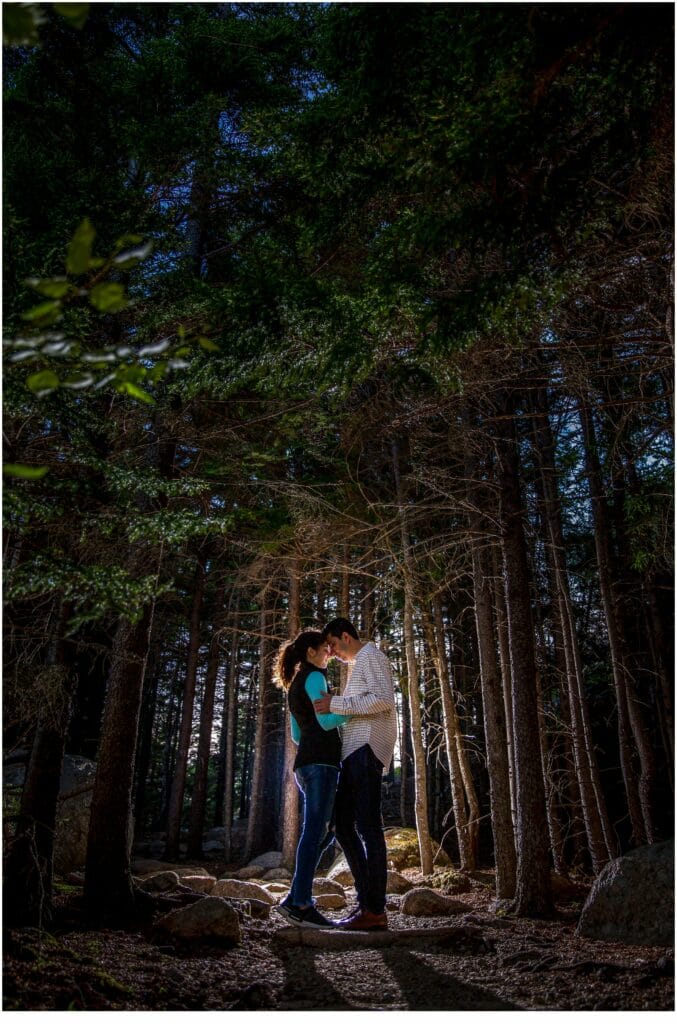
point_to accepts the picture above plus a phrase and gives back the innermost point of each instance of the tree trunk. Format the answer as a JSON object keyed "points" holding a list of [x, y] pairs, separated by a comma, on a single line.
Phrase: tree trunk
{"points": [[420, 786], [495, 730], [533, 894], [186, 730], [506, 673], [497, 741], [466, 831], [109, 892], [290, 792], [259, 824], [30, 861], [198, 805], [230, 716], [630, 726], [602, 842]]}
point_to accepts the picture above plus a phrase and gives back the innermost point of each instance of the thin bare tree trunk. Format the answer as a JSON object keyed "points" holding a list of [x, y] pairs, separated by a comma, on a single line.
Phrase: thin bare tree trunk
{"points": [[198, 804], [256, 823], [466, 831], [344, 610], [496, 736], [602, 842], [185, 732], [639, 796], [290, 792], [533, 895], [230, 702], [495, 730], [506, 673], [420, 784]]}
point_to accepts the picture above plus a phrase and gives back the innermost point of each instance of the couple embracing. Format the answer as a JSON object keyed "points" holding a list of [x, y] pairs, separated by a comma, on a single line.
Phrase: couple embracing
{"points": [[339, 773]]}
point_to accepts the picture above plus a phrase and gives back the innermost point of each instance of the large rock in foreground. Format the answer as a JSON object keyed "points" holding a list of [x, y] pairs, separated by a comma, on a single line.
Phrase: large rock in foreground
{"points": [[208, 919], [424, 902], [632, 899]]}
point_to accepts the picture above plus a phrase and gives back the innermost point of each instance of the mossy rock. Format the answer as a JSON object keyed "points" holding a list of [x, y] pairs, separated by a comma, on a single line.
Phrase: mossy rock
{"points": [[448, 881], [403, 852]]}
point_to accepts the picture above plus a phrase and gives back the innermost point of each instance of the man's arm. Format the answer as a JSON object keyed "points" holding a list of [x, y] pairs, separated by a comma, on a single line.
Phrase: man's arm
{"points": [[375, 691]]}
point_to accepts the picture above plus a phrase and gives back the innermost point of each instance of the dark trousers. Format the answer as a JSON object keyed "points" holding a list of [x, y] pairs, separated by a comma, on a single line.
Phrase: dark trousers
{"points": [[359, 827]]}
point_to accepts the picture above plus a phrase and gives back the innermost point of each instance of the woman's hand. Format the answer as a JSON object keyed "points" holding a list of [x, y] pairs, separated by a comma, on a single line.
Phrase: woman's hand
{"points": [[322, 705]]}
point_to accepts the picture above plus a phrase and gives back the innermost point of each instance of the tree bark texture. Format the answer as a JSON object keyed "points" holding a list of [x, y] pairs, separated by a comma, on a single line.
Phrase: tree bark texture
{"points": [[533, 891], [176, 795]]}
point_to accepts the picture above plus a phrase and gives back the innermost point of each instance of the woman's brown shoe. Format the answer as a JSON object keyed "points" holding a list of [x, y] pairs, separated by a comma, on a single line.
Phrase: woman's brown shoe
{"points": [[364, 921]]}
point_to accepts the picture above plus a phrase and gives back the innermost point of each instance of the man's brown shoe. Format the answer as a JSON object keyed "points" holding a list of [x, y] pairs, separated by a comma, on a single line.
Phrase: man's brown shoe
{"points": [[364, 921]]}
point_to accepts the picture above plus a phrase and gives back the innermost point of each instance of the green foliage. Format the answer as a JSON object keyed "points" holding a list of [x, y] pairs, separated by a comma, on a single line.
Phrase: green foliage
{"points": [[21, 21], [95, 590]]}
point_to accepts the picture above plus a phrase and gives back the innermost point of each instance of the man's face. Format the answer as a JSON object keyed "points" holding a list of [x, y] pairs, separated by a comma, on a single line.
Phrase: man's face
{"points": [[338, 647]]}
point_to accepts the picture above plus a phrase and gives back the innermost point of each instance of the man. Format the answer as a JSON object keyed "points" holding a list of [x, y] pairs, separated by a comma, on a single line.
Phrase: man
{"points": [[368, 741]]}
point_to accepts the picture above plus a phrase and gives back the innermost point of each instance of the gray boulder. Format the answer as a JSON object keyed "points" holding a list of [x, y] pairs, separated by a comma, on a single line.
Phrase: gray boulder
{"points": [[238, 890], [424, 902], [209, 918], [251, 871], [330, 901], [324, 886], [632, 899], [199, 883], [398, 883], [163, 881], [272, 859], [72, 814], [341, 873], [277, 875]]}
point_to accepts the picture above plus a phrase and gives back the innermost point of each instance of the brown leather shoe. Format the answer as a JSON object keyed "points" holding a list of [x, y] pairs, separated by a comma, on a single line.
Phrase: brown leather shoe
{"points": [[364, 921]]}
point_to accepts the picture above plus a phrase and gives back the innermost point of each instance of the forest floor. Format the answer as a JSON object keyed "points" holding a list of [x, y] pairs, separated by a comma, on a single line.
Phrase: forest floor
{"points": [[527, 965]]}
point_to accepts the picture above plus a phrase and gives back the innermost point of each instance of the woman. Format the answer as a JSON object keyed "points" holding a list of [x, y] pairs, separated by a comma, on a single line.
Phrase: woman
{"points": [[301, 671]]}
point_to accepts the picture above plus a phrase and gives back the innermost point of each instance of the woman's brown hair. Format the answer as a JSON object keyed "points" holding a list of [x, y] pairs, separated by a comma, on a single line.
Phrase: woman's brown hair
{"points": [[294, 653]]}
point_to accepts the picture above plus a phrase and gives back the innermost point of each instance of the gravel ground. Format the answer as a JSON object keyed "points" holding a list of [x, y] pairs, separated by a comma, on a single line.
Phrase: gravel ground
{"points": [[529, 965]]}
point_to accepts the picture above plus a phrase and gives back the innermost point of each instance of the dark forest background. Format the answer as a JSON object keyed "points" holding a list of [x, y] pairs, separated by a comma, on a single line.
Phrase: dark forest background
{"points": [[358, 309]]}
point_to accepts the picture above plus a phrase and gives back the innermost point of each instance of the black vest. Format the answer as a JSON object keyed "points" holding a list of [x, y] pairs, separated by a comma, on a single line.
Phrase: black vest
{"points": [[317, 745]]}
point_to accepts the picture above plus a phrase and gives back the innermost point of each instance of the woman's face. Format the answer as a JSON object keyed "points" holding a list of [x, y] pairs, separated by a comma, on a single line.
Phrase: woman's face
{"points": [[319, 656]]}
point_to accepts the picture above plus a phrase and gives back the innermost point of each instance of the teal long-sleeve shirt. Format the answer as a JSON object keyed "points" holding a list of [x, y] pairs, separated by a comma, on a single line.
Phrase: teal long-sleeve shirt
{"points": [[316, 687]]}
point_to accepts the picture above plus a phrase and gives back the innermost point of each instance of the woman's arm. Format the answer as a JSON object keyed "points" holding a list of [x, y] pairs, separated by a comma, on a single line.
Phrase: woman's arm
{"points": [[316, 687], [295, 731]]}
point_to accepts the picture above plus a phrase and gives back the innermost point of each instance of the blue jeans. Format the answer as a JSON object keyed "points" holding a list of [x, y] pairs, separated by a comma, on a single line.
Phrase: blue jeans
{"points": [[317, 782], [359, 827]]}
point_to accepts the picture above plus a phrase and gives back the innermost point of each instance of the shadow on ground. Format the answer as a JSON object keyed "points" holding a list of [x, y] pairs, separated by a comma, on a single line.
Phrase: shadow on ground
{"points": [[376, 980]]}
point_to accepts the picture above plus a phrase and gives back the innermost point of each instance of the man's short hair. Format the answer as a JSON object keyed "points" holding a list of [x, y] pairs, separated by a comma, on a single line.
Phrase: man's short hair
{"points": [[337, 627]]}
